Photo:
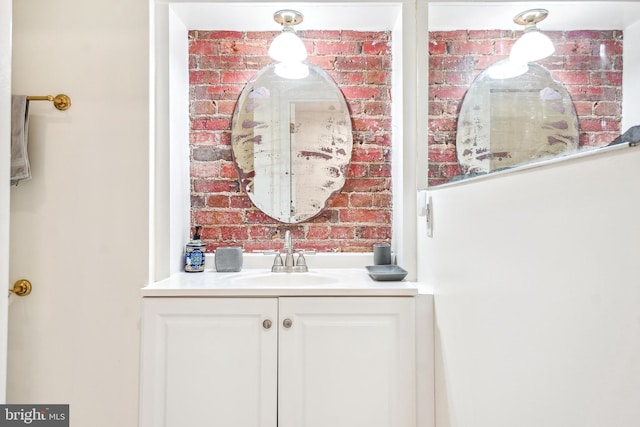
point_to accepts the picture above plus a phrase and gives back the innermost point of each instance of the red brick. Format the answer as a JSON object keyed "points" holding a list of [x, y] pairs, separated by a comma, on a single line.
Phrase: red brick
{"points": [[220, 35], [377, 78], [359, 200], [206, 217], [358, 170], [337, 48], [234, 233], [210, 123], [364, 216], [241, 47], [257, 217], [339, 200], [376, 108], [372, 125], [606, 78], [377, 47], [202, 47], [458, 78], [318, 232], [325, 62], [236, 76], [202, 107], [198, 77], [367, 154], [448, 92], [583, 108], [226, 106], [380, 170], [489, 34], [587, 63], [443, 153], [599, 125], [216, 62], [443, 124], [604, 138], [218, 201], [319, 34], [449, 35], [361, 92], [382, 200], [365, 35], [592, 93], [371, 184], [460, 47], [437, 47], [341, 232], [214, 186], [377, 233], [584, 34], [204, 169], [228, 171], [452, 63], [573, 77], [605, 108], [574, 47], [349, 78], [358, 63]]}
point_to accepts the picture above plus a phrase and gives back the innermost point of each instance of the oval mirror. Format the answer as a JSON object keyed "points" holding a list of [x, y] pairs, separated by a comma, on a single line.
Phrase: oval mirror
{"points": [[292, 142]]}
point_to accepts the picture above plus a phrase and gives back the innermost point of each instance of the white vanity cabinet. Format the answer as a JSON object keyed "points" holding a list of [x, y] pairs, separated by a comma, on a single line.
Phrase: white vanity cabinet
{"points": [[279, 361]]}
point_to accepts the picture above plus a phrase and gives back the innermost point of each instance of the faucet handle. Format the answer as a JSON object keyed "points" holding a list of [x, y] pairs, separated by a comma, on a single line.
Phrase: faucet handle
{"points": [[301, 260], [277, 261]]}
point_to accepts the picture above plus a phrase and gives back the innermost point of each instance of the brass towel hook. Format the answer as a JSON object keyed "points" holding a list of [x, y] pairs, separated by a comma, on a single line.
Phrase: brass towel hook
{"points": [[21, 288], [61, 102]]}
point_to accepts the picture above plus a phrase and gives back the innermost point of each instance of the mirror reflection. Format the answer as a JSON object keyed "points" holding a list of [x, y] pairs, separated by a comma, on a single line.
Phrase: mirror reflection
{"points": [[512, 117], [292, 142]]}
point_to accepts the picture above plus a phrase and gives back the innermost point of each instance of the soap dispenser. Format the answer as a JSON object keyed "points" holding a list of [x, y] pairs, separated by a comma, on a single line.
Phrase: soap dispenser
{"points": [[194, 253]]}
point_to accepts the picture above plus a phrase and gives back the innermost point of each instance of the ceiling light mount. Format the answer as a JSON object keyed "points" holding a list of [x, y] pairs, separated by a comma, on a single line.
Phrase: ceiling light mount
{"points": [[288, 17], [529, 18], [532, 45]]}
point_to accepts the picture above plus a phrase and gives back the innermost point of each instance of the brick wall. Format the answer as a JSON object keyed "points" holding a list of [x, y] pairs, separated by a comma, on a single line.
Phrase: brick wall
{"points": [[220, 64], [588, 63]]}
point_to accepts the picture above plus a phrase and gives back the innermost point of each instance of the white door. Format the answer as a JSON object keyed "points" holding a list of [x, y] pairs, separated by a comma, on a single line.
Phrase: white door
{"points": [[347, 362], [209, 361], [5, 153]]}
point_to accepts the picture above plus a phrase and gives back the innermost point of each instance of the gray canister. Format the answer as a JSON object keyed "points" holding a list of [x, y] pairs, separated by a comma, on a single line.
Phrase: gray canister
{"points": [[228, 259]]}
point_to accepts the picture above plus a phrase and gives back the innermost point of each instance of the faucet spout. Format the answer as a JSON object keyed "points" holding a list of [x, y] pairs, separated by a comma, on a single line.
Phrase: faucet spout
{"points": [[287, 241], [289, 265]]}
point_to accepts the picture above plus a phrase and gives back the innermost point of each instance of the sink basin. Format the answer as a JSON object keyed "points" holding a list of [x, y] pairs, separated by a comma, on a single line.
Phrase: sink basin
{"points": [[268, 279]]}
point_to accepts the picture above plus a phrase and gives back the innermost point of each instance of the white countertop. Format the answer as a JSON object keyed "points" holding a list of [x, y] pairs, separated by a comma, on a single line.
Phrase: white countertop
{"points": [[264, 283]]}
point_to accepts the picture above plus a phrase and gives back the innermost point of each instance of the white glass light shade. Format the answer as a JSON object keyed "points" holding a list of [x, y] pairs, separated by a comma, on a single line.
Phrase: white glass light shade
{"points": [[291, 70], [507, 69], [531, 46], [287, 47]]}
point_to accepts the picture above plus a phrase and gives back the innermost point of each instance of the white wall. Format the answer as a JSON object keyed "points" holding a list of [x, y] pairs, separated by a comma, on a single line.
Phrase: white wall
{"points": [[79, 228], [5, 153], [537, 302]]}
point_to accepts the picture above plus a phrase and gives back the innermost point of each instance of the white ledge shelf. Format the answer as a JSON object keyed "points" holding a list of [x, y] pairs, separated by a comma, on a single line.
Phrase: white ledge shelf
{"points": [[264, 283]]}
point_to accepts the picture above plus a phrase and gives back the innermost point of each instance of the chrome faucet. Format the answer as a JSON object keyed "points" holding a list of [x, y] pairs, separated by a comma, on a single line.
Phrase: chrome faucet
{"points": [[289, 266]]}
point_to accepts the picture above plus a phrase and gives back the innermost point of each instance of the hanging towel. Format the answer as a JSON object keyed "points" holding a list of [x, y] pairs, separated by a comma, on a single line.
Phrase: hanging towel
{"points": [[20, 169]]}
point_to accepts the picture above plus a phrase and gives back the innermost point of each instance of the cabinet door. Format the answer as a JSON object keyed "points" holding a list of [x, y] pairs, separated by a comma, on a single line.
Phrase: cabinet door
{"points": [[209, 362], [347, 362]]}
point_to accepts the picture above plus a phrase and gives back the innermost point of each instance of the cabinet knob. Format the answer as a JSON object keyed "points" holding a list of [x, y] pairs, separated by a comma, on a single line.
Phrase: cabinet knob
{"points": [[287, 323], [266, 324]]}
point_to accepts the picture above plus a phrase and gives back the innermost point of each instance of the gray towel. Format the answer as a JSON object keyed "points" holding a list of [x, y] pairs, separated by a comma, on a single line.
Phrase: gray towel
{"points": [[20, 169]]}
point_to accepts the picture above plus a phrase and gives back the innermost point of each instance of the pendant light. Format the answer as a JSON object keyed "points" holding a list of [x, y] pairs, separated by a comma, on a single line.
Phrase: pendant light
{"points": [[287, 49], [532, 45]]}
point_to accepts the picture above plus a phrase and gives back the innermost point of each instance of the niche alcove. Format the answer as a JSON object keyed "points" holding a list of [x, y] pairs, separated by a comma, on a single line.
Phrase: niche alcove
{"points": [[170, 123]]}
